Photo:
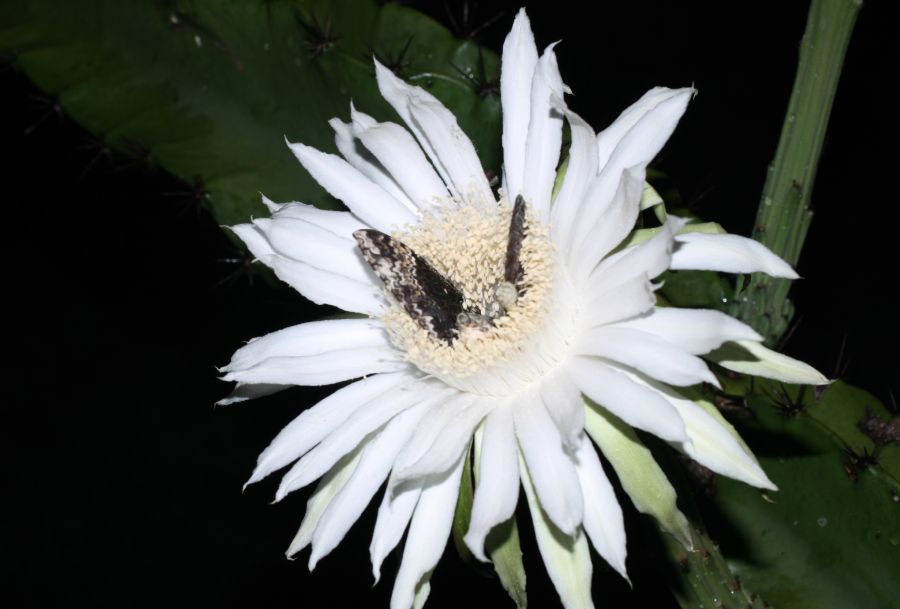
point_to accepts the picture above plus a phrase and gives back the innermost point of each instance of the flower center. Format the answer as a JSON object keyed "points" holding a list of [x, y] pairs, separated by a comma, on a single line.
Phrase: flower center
{"points": [[467, 244]]}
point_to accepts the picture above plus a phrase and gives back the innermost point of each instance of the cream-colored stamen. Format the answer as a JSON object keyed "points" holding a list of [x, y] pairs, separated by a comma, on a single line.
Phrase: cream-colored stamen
{"points": [[467, 244]]}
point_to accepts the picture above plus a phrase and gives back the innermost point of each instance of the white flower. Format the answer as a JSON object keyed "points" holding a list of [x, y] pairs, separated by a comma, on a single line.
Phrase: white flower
{"points": [[582, 347]]}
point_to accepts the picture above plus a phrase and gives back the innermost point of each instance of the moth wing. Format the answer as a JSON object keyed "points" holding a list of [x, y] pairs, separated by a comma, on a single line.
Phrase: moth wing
{"points": [[429, 297]]}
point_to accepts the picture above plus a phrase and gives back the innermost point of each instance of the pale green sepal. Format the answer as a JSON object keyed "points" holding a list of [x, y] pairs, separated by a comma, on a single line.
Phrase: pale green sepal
{"points": [[503, 547], [711, 410], [641, 477], [422, 592], [751, 357], [560, 177], [328, 487], [643, 234], [568, 559], [649, 197]]}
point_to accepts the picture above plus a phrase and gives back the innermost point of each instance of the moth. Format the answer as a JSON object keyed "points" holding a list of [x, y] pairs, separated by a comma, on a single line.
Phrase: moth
{"points": [[430, 298]]}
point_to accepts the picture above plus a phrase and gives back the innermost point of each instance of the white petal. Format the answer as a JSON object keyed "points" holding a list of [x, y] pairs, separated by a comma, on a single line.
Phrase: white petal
{"points": [[255, 241], [640, 476], [243, 392], [326, 288], [751, 357], [729, 254], [366, 199], [631, 298], [581, 169], [609, 138], [636, 148], [551, 469], [441, 437], [399, 153], [310, 244], [634, 404], [345, 438], [427, 536], [713, 446], [315, 423], [563, 402], [613, 225], [393, 515], [449, 149], [542, 147], [567, 557], [360, 158], [697, 331], [649, 258], [339, 223], [321, 369], [519, 60], [376, 461], [603, 520], [452, 146], [497, 491], [328, 487], [647, 353], [311, 338]]}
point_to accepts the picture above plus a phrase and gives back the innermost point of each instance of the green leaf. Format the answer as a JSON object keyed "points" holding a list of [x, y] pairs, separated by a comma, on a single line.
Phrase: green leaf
{"points": [[502, 545], [830, 538], [209, 90], [691, 289]]}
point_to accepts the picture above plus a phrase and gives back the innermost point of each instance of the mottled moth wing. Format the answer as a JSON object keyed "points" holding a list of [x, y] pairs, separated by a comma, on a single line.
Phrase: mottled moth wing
{"points": [[429, 298], [513, 271]]}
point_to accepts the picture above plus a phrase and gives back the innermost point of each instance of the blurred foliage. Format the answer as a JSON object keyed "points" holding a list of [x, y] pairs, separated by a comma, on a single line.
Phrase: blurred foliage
{"points": [[209, 90]]}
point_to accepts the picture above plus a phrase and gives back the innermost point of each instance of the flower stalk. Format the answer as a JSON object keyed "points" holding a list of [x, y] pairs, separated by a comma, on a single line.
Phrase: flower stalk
{"points": [[784, 213]]}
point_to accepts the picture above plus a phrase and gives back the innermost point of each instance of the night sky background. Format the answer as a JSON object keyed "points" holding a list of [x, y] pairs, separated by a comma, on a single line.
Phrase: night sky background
{"points": [[123, 483]]}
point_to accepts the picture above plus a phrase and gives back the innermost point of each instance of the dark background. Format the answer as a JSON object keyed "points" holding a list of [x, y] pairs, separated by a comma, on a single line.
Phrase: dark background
{"points": [[123, 482]]}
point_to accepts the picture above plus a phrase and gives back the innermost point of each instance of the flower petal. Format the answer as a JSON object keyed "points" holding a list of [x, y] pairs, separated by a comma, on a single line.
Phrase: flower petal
{"points": [[428, 533], [339, 223], [648, 353], [364, 161], [435, 127], [636, 148], [243, 392], [634, 404], [366, 199], [551, 469], [649, 258], [632, 298], [542, 147], [452, 146], [613, 225], [714, 446], [305, 242], [317, 422], [580, 170], [351, 432], [609, 138], [400, 155], [729, 254], [751, 357], [567, 557], [603, 519], [637, 471], [697, 331], [375, 464], [519, 60], [563, 402], [497, 491], [322, 368], [311, 338], [325, 288], [441, 438], [393, 515], [328, 487]]}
